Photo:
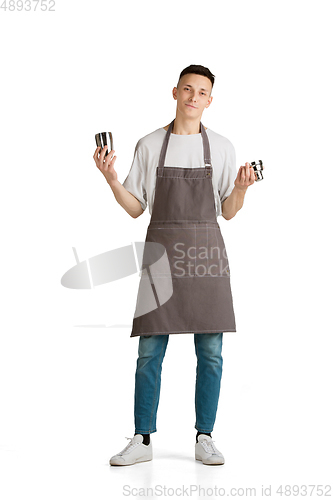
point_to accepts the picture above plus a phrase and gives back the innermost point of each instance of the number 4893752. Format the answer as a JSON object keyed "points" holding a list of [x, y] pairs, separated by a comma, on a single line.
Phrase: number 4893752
{"points": [[43, 5]]}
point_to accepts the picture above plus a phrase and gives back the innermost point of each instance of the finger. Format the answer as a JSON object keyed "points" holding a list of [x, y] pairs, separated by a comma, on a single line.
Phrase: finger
{"points": [[111, 165], [102, 155], [247, 171], [96, 153], [110, 161], [109, 156], [252, 176]]}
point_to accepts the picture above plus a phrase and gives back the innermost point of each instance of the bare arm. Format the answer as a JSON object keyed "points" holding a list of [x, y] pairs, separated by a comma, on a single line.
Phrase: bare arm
{"points": [[123, 197], [126, 199], [233, 203]]}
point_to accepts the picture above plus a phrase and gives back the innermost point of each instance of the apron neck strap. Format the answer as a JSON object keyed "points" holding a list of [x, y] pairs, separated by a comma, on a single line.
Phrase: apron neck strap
{"points": [[206, 148]]}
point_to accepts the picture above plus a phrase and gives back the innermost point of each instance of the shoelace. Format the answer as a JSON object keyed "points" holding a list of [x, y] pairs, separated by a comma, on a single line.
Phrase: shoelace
{"points": [[128, 447], [209, 447]]}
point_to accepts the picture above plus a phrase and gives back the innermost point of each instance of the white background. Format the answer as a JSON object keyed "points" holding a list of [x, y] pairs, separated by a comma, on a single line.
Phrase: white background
{"points": [[67, 389]]}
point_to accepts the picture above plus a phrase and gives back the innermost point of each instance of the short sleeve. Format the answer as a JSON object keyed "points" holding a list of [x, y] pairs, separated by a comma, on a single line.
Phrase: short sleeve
{"points": [[135, 180], [229, 174]]}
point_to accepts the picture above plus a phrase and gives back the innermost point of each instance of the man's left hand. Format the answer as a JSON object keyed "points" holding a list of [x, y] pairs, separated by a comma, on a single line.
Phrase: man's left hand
{"points": [[245, 177]]}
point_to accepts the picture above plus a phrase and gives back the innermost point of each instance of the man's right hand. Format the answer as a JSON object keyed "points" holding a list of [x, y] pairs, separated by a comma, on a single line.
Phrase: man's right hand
{"points": [[126, 199], [106, 165]]}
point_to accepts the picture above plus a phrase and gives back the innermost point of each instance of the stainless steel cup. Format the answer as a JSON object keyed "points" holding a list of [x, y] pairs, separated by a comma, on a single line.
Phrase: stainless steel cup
{"points": [[104, 139], [257, 167]]}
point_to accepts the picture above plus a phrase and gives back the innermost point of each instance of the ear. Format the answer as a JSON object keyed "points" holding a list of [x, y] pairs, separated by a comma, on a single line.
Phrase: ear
{"points": [[174, 93], [209, 101]]}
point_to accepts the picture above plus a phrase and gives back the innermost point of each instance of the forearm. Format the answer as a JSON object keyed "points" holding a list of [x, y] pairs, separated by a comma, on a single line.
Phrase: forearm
{"points": [[233, 203], [126, 199]]}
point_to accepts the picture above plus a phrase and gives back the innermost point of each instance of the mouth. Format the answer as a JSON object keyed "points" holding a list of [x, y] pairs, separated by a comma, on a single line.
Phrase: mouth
{"points": [[189, 105]]}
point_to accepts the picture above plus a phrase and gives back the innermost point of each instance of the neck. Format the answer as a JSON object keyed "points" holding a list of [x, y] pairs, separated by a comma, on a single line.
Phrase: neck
{"points": [[186, 127]]}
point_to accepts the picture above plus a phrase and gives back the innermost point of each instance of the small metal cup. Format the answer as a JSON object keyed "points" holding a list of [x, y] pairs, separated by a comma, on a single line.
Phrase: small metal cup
{"points": [[104, 139], [258, 168]]}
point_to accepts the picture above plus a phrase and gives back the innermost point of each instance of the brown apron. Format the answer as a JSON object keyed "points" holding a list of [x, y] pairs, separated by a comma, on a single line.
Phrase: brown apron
{"points": [[184, 221]]}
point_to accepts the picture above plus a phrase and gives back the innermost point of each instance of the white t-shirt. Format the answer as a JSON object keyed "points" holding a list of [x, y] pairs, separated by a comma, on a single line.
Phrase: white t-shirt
{"points": [[182, 151]]}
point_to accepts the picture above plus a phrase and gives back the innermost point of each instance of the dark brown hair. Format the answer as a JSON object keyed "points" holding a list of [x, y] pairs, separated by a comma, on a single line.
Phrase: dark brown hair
{"points": [[198, 70]]}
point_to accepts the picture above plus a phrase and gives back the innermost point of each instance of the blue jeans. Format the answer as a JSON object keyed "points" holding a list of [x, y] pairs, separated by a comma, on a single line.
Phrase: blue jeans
{"points": [[208, 348]]}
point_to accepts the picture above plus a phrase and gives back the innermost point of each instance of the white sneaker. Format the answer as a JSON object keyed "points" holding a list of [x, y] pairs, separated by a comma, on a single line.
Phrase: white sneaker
{"points": [[133, 453], [206, 451]]}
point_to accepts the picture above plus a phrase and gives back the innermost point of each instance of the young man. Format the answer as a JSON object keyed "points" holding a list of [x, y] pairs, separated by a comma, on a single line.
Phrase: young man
{"points": [[186, 174]]}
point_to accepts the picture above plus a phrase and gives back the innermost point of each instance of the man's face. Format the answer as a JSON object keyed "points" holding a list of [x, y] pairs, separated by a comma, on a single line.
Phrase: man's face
{"points": [[193, 95]]}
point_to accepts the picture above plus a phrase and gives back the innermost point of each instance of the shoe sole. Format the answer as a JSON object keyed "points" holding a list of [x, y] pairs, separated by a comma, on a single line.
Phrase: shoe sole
{"points": [[132, 463], [207, 463]]}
